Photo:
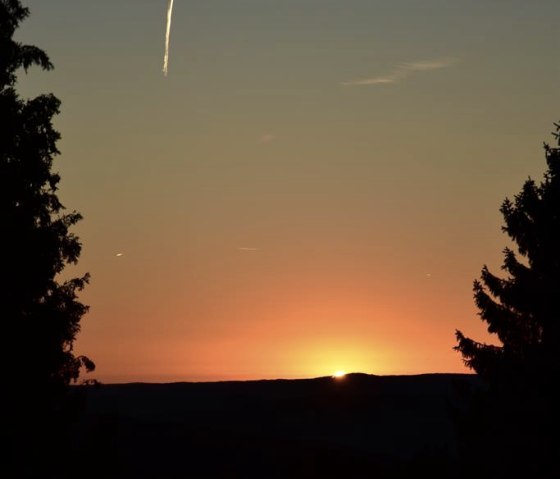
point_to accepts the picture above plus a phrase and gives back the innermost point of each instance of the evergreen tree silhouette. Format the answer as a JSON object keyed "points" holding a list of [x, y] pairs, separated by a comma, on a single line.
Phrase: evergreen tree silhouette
{"points": [[523, 309], [511, 426], [40, 314]]}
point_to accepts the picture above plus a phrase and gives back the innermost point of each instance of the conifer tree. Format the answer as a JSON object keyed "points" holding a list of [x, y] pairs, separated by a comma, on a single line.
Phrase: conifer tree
{"points": [[523, 309], [40, 314]]}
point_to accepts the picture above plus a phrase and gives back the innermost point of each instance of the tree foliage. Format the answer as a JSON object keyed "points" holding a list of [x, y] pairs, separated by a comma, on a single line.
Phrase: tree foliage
{"points": [[510, 423], [523, 309], [40, 314]]}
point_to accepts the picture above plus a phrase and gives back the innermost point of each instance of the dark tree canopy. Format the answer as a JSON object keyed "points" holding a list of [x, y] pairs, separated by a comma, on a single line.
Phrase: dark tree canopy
{"points": [[40, 313], [523, 309]]}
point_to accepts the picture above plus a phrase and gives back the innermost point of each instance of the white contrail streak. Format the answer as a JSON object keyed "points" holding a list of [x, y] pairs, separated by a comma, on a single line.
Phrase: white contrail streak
{"points": [[404, 70], [167, 35]]}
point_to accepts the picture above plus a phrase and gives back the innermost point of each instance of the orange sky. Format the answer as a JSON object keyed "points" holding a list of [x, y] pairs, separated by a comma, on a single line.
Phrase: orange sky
{"points": [[312, 188]]}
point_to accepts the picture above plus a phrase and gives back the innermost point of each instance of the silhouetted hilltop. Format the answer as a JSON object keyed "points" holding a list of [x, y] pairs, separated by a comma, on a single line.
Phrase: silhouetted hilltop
{"points": [[323, 427]]}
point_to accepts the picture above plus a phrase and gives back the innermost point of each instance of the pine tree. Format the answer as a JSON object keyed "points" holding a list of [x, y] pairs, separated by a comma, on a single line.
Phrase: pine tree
{"points": [[509, 426], [523, 309], [40, 314]]}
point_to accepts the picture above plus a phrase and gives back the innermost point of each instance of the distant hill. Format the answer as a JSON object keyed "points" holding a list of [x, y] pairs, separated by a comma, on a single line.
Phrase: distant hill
{"points": [[356, 426]]}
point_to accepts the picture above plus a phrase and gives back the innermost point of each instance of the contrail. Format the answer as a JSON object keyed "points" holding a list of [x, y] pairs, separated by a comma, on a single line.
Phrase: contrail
{"points": [[167, 35]]}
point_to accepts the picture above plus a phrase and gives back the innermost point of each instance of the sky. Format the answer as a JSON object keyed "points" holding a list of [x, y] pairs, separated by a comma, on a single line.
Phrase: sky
{"points": [[313, 187]]}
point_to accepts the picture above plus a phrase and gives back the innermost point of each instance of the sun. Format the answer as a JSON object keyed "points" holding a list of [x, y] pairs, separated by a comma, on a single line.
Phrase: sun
{"points": [[339, 374]]}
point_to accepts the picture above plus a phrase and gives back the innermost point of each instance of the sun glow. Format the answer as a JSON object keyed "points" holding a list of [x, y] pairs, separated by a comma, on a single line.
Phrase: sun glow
{"points": [[339, 374]]}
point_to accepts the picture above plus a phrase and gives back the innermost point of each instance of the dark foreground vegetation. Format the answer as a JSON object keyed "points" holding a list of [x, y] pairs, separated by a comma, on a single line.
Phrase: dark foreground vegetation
{"points": [[358, 426]]}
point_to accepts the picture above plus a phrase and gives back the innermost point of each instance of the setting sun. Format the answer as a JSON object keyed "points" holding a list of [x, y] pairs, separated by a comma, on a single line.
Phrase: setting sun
{"points": [[339, 374]]}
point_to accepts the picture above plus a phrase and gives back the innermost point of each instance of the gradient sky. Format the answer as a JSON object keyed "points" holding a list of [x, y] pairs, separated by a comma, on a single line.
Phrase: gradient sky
{"points": [[313, 187]]}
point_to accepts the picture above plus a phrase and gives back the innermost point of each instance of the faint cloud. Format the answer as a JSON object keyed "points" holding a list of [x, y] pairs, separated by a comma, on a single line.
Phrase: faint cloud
{"points": [[404, 70], [247, 249], [266, 138]]}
